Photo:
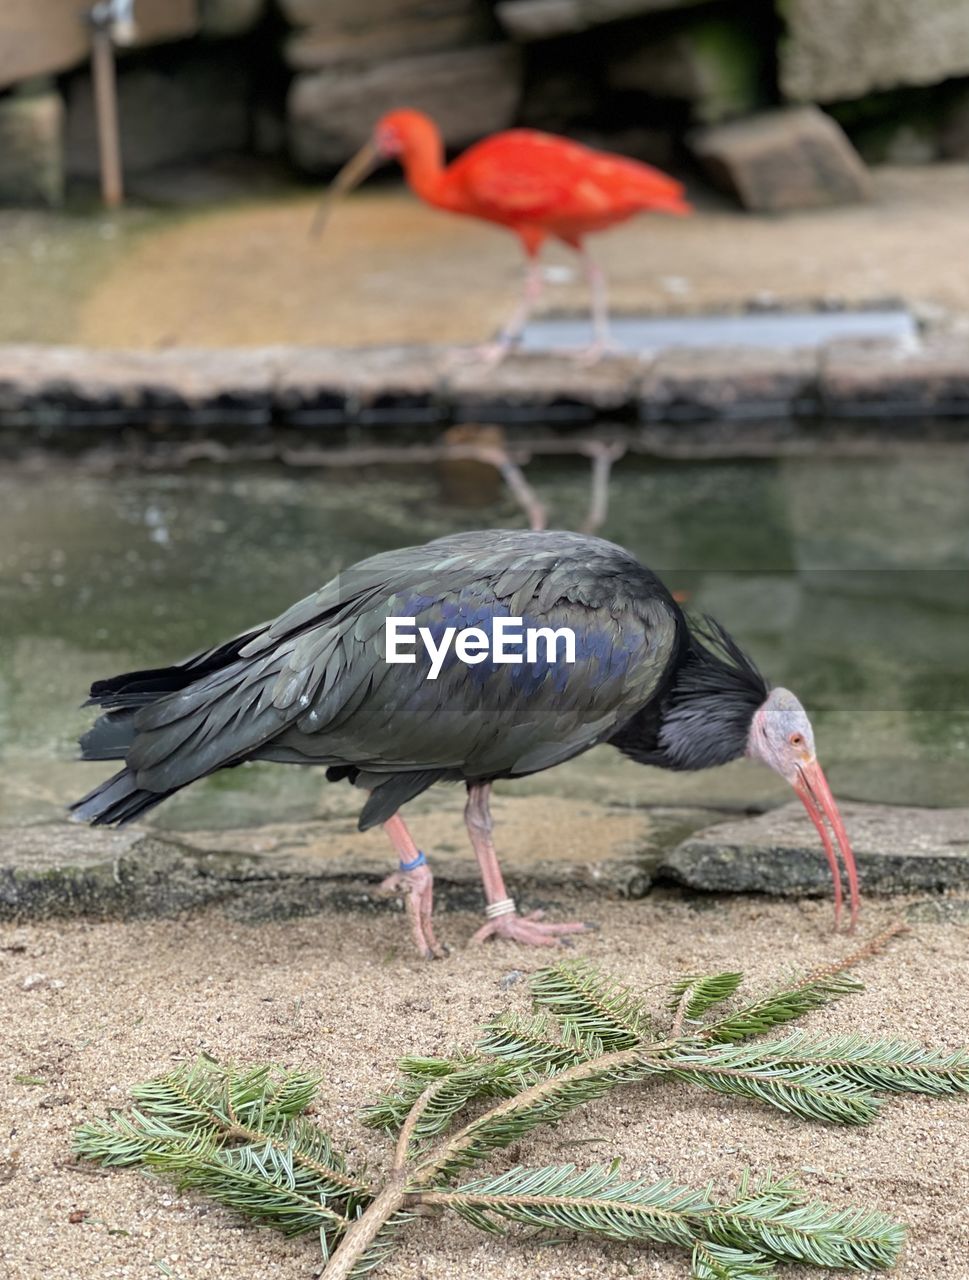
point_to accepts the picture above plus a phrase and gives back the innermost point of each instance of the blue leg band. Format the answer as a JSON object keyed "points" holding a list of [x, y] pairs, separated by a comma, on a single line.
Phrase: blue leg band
{"points": [[419, 861]]}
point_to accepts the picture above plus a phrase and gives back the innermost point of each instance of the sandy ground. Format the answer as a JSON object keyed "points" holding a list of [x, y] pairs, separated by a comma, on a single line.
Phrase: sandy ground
{"points": [[93, 1008], [389, 269]]}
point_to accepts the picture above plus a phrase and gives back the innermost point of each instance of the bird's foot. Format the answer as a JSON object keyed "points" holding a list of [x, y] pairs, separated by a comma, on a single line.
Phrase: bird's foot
{"points": [[529, 930], [417, 889], [597, 350], [487, 355]]}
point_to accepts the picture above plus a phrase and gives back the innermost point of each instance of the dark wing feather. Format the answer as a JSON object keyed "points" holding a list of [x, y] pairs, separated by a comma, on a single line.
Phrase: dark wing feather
{"points": [[313, 685]]}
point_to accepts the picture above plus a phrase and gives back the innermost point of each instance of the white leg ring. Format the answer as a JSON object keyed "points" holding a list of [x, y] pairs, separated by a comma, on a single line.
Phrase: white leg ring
{"points": [[506, 907]]}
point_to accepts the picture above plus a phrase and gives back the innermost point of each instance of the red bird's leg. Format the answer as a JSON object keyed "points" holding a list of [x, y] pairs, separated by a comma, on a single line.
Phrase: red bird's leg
{"points": [[414, 880], [492, 353], [602, 340], [503, 918]]}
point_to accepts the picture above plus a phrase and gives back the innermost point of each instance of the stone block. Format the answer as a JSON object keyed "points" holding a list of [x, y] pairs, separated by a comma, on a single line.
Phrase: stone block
{"points": [[31, 148], [543, 19], [693, 384], [793, 158], [870, 378], [221, 18], [842, 49], [470, 92], [45, 36], [715, 64], [346, 35], [192, 104], [897, 850]]}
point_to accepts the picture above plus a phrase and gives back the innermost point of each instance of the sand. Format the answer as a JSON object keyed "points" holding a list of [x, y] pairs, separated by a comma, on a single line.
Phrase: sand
{"points": [[391, 270], [92, 1008]]}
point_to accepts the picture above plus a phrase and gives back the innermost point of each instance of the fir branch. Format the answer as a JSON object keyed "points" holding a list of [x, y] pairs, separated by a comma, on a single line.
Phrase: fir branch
{"points": [[243, 1137], [801, 996], [592, 1004], [452, 1091], [692, 996], [807, 1091], [598, 1201], [530, 1043], [720, 1262]]}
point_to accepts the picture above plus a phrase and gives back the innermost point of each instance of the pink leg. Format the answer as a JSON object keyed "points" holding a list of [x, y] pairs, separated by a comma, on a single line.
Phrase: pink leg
{"points": [[503, 918], [492, 353], [416, 884], [602, 341]]}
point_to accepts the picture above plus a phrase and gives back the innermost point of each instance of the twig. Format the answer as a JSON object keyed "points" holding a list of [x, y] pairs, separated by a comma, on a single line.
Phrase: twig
{"points": [[411, 1123], [367, 1227]]}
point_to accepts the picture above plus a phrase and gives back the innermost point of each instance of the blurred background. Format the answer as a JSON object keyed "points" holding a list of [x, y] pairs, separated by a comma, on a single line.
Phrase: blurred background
{"points": [[825, 145]]}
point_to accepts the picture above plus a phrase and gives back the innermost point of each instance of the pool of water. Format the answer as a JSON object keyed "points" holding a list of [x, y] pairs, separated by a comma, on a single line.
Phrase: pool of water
{"points": [[745, 329], [847, 580]]}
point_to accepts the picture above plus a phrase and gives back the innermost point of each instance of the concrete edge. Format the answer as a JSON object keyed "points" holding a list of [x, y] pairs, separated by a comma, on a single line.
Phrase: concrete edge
{"points": [[52, 391]]}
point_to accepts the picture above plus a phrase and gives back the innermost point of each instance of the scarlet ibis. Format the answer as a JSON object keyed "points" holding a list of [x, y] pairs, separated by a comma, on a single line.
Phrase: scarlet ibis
{"points": [[536, 184], [315, 687]]}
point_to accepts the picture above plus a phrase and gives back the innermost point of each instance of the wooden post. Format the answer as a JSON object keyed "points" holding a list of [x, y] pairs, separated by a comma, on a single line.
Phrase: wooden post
{"points": [[106, 109]]}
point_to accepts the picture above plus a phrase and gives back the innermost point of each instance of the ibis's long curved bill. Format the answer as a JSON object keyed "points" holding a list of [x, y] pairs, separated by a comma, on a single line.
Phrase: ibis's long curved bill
{"points": [[815, 794], [350, 176]]}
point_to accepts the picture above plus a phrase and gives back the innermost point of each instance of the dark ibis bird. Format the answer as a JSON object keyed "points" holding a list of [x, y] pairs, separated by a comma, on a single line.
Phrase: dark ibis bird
{"points": [[538, 185], [401, 673]]}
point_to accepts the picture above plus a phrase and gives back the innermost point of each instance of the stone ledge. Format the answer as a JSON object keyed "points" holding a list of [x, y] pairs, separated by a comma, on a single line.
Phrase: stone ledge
{"points": [[898, 850], [54, 390], [291, 869], [860, 379]]}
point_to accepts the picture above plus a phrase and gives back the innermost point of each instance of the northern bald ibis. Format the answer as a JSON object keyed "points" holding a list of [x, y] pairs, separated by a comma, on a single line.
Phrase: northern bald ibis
{"points": [[315, 687]]}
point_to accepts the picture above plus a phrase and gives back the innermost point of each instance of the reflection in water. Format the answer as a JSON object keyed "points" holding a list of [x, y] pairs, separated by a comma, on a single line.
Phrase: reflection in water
{"points": [[848, 581]]}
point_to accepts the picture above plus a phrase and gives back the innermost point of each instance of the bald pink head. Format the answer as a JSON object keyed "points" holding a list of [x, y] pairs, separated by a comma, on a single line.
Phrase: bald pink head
{"points": [[782, 738]]}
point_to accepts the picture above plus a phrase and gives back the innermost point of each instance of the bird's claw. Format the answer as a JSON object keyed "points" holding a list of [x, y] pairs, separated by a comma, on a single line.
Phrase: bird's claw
{"points": [[417, 890], [529, 930], [485, 356]]}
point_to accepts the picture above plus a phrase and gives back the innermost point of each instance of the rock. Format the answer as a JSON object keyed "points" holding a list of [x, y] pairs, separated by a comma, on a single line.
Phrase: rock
{"points": [[187, 105], [470, 92], [954, 129], [716, 64], [542, 19], [48, 385], [897, 850], [31, 148], [345, 34], [836, 49], [287, 869], [221, 18], [863, 379], [792, 158], [694, 384], [44, 36]]}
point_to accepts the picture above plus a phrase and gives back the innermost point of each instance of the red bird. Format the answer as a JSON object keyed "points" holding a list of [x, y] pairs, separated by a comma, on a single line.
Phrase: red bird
{"points": [[536, 184]]}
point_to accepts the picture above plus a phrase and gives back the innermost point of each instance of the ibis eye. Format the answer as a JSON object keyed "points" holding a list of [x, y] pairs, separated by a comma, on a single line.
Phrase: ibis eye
{"points": [[796, 740]]}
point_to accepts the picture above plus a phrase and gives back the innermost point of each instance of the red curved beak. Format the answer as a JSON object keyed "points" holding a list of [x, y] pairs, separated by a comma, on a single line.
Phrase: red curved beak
{"points": [[350, 176], [815, 794]]}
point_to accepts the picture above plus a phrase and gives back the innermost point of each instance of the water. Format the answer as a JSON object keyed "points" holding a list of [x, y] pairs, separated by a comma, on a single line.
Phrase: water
{"points": [[847, 580], [747, 329]]}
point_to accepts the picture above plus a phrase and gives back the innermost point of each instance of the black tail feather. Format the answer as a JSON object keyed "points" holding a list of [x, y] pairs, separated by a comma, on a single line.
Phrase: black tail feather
{"points": [[139, 688], [118, 800]]}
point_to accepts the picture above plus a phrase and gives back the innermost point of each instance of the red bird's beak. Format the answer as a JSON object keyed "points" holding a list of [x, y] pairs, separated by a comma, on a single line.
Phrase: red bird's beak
{"points": [[350, 176], [815, 794]]}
